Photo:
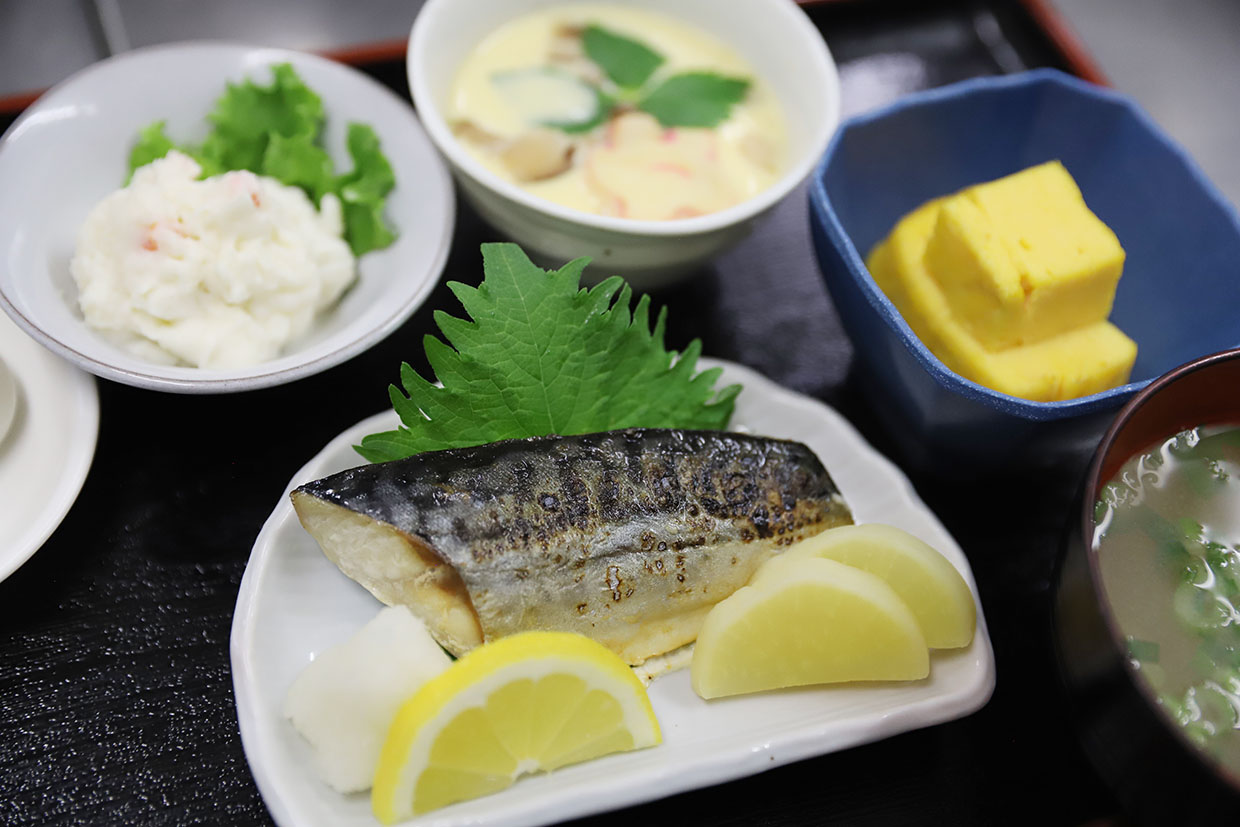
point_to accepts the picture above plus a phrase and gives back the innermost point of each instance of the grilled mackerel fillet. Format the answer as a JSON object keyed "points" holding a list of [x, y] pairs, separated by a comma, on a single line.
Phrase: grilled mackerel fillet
{"points": [[629, 537]]}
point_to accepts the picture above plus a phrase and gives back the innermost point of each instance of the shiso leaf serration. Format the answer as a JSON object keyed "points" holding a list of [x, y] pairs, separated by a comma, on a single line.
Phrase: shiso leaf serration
{"points": [[539, 355]]}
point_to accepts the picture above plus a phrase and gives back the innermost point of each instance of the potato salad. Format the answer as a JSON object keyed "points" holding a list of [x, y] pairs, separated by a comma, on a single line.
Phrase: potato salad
{"points": [[215, 273]]}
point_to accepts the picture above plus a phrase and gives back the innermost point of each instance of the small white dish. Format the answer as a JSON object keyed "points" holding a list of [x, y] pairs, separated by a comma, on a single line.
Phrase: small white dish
{"points": [[71, 147], [774, 36], [294, 603], [49, 446], [8, 400]]}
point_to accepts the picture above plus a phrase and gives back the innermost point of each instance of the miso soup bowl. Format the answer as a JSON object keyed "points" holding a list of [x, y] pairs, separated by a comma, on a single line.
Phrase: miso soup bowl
{"points": [[774, 36], [1155, 771], [1176, 298]]}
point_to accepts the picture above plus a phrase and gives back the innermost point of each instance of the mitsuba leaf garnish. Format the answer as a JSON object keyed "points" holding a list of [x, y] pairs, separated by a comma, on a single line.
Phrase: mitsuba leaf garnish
{"points": [[692, 99], [629, 63], [538, 355], [276, 130]]}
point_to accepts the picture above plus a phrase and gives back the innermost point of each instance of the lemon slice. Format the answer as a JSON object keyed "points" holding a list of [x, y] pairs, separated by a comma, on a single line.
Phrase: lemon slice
{"points": [[931, 586], [803, 621], [530, 702]]}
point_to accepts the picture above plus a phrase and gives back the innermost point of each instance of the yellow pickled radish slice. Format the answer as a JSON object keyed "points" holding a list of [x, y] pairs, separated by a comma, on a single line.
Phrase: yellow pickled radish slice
{"points": [[526, 703], [924, 579], [806, 621]]}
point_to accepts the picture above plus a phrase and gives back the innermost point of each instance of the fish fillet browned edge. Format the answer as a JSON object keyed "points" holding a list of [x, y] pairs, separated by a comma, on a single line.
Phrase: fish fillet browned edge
{"points": [[629, 537]]}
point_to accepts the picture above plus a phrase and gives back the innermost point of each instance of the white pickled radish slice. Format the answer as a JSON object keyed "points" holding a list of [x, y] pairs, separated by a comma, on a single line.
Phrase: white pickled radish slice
{"points": [[345, 700]]}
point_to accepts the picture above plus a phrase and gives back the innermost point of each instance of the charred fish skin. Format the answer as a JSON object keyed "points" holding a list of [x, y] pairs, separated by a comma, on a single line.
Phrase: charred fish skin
{"points": [[626, 536]]}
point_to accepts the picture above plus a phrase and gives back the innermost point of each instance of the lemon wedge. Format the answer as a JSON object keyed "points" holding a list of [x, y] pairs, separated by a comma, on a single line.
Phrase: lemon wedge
{"points": [[526, 703], [931, 586], [807, 620]]}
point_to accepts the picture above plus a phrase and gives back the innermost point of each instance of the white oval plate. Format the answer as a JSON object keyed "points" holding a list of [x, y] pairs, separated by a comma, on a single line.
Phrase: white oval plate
{"points": [[294, 603], [49, 446], [71, 147]]}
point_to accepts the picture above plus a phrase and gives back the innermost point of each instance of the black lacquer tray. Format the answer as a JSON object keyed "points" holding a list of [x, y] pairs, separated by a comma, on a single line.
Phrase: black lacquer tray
{"points": [[116, 702]]}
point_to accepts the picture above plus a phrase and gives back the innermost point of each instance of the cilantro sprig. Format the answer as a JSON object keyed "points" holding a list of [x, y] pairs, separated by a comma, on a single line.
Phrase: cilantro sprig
{"points": [[276, 130], [538, 355]]}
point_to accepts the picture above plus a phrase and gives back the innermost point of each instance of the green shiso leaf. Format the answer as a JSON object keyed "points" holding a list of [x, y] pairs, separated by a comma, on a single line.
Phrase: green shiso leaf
{"points": [[695, 99], [276, 130], [538, 355], [629, 63]]}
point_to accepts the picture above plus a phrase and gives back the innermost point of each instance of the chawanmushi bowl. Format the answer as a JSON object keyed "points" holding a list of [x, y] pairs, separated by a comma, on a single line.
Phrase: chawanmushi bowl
{"points": [[774, 36], [1158, 774], [1176, 299]]}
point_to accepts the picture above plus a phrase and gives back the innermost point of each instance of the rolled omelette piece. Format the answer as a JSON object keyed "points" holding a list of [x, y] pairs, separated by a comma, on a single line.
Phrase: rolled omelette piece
{"points": [[628, 537]]}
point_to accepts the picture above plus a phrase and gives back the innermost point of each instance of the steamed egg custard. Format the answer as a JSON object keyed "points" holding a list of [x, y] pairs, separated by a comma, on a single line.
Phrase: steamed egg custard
{"points": [[618, 111]]}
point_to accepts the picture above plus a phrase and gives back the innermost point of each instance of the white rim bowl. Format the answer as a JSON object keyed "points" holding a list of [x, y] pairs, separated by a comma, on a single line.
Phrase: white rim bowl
{"points": [[784, 35], [69, 150], [8, 400]]}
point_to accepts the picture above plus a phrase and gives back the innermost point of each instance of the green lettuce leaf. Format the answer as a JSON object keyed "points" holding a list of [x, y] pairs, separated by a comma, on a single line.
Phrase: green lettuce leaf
{"points": [[152, 145], [365, 227], [363, 191], [701, 99], [537, 356], [299, 162], [275, 130], [247, 115], [372, 176]]}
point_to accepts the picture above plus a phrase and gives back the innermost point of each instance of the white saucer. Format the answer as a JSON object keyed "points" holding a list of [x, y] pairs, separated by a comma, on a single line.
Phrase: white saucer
{"points": [[8, 399], [50, 443]]}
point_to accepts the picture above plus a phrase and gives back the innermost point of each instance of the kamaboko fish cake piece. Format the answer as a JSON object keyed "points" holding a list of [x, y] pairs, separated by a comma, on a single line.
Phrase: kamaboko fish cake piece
{"points": [[628, 537]]}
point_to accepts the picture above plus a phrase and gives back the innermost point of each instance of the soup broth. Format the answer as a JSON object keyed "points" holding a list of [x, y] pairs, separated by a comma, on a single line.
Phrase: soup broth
{"points": [[1167, 538]]}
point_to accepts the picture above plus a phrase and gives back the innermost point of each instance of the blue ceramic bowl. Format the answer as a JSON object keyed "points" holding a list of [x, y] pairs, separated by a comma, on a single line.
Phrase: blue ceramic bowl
{"points": [[1178, 297]]}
